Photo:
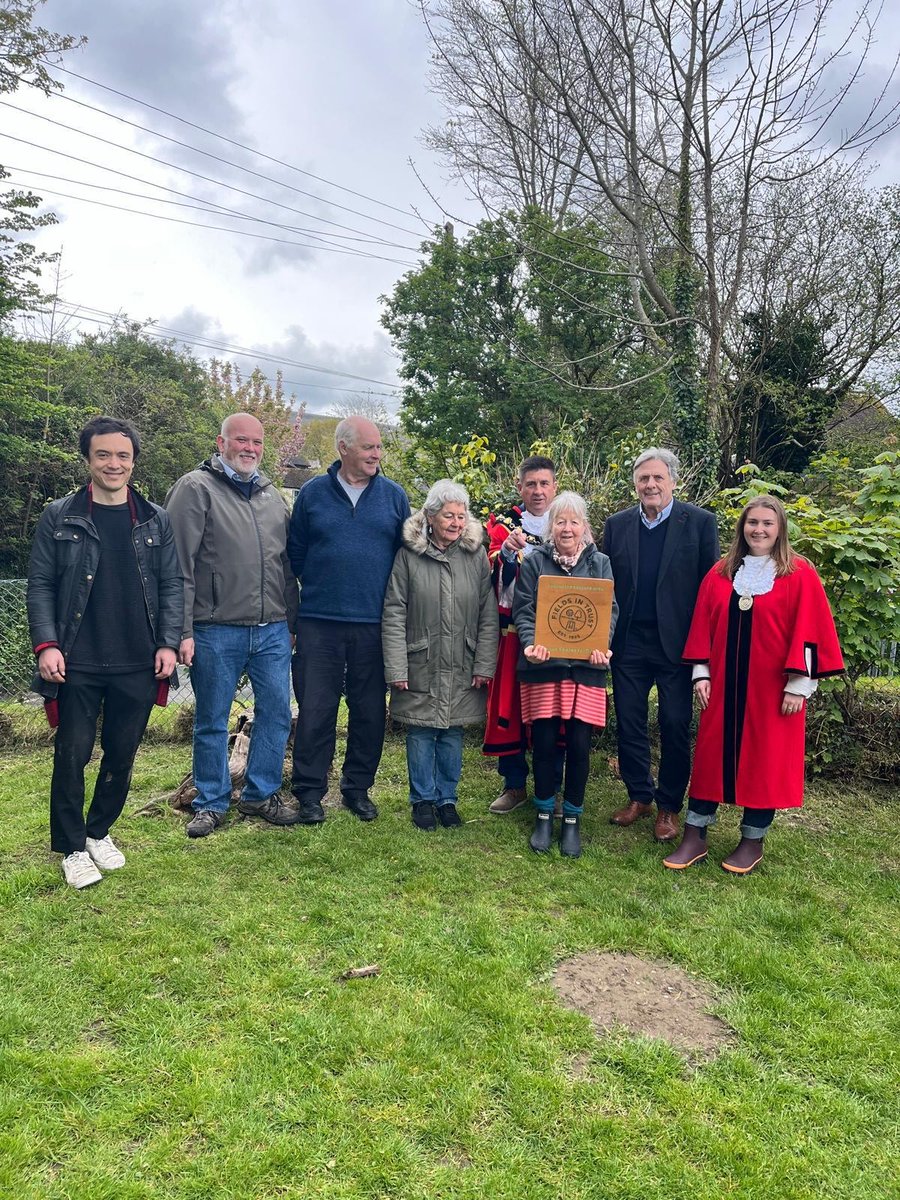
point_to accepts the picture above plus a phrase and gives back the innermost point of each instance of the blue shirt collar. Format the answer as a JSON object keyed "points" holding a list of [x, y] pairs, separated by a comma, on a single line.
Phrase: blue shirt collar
{"points": [[663, 516]]}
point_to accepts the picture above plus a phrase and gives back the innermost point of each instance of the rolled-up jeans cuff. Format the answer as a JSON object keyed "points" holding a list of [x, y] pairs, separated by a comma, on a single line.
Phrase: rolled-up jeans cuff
{"points": [[700, 820], [756, 832]]}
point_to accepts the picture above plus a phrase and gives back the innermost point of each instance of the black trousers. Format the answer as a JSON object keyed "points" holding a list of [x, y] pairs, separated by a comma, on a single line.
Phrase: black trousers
{"points": [[635, 669], [546, 758], [126, 701], [333, 656]]}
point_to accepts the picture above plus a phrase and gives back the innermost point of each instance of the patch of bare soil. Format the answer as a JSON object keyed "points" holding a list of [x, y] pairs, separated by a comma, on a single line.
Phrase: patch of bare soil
{"points": [[650, 999]]}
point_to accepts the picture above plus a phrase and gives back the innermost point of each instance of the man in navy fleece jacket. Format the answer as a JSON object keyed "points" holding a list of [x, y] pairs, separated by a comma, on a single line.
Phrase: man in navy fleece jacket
{"points": [[345, 530]]}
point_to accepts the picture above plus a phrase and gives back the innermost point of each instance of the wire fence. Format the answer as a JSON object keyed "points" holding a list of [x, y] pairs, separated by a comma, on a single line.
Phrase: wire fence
{"points": [[17, 661]]}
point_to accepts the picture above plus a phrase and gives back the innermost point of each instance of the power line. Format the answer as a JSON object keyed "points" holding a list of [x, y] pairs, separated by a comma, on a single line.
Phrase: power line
{"points": [[86, 162], [77, 310], [265, 237], [210, 207], [175, 167], [228, 163], [230, 141]]}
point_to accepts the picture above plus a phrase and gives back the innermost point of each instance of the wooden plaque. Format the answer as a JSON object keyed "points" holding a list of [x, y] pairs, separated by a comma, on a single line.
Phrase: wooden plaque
{"points": [[573, 615]]}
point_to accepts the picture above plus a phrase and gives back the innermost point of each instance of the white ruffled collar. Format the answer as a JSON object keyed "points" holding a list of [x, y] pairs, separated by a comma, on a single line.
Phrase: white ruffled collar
{"points": [[755, 576]]}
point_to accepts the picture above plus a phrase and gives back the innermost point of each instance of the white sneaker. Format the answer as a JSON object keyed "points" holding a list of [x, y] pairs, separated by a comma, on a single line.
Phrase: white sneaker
{"points": [[80, 870], [105, 853]]}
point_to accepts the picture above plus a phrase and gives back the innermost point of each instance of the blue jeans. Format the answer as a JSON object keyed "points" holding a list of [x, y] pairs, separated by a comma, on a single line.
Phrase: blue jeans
{"points": [[222, 653], [434, 762]]}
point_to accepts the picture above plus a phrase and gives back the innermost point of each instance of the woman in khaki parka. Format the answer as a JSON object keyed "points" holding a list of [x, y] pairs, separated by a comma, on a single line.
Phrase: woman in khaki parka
{"points": [[439, 636]]}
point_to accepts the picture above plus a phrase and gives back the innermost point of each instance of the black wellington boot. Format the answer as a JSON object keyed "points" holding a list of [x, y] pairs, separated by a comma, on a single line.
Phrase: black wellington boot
{"points": [[542, 837], [570, 836]]}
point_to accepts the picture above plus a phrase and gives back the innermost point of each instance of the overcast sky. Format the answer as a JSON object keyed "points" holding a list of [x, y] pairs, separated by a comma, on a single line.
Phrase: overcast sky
{"points": [[337, 89]]}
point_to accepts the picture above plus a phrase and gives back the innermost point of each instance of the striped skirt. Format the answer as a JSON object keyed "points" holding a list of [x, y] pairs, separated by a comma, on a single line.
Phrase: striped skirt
{"points": [[564, 700]]}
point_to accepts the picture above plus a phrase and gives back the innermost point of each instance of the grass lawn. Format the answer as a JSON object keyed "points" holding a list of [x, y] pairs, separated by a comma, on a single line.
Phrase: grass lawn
{"points": [[180, 1030]]}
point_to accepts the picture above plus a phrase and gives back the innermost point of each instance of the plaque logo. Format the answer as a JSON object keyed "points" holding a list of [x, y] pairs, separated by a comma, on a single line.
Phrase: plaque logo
{"points": [[572, 618]]}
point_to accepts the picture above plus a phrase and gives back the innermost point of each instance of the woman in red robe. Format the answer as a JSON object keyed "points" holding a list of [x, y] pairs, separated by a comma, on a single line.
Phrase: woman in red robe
{"points": [[761, 636]]}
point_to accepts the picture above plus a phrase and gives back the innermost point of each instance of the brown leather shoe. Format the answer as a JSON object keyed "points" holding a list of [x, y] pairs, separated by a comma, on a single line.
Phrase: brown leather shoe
{"points": [[666, 827], [633, 811], [509, 800], [692, 850], [746, 855], [557, 808]]}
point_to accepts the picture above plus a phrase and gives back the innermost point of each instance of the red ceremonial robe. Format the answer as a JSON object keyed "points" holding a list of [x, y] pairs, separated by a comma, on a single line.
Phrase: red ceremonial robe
{"points": [[504, 732], [747, 752]]}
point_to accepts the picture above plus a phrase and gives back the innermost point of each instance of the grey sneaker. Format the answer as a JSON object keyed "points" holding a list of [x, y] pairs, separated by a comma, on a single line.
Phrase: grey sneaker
{"points": [[105, 853], [203, 823], [274, 810], [79, 869]]}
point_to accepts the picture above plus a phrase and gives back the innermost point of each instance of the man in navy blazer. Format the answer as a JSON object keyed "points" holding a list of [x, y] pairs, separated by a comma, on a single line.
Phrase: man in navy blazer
{"points": [[660, 551]]}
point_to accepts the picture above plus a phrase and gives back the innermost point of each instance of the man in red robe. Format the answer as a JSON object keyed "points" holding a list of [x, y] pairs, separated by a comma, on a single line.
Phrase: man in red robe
{"points": [[513, 535]]}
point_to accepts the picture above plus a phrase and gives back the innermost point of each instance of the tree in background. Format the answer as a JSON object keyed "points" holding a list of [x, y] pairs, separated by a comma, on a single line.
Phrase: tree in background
{"points": [[55, 387], [35, 449], [25, 52], [711, 142], [515, 328], [319, 443]]}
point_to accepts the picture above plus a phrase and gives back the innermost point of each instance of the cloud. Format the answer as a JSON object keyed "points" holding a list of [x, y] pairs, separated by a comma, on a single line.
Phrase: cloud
{"points": [[175, 56], [345, 370], [196, 324]]}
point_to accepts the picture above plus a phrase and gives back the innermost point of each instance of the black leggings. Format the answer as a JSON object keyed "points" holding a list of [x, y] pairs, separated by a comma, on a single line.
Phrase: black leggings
{"points": [[544, 736]]}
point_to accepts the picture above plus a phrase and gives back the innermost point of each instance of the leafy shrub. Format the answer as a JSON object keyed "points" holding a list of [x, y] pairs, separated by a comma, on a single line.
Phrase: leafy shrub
{"points": [[851, 730]]}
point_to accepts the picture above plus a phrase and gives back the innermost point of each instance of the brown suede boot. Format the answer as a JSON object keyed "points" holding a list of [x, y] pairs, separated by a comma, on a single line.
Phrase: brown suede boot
{"points": [[691, 850], [747, 855], [509, 800]]}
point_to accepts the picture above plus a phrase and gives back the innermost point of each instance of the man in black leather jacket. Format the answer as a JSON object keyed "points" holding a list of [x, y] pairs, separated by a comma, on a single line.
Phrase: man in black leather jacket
{"points": [[105, 606]]}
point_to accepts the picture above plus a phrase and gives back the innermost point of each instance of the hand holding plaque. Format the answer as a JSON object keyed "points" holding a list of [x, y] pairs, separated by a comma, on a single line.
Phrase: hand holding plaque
{"points": [[573, 615]]}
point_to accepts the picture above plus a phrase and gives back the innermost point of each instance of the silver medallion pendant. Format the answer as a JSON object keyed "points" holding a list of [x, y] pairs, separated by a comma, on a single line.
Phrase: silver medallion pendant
{"points": [[745, 603]]}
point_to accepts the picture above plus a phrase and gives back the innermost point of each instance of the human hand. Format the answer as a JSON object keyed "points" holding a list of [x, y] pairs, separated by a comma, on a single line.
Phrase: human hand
{"points": [[537, 654], [164, 662], [701, 691], [791, 704], [52, 665], [599, 659], [514, 543], [402, 685], [480, 681], [186, 652]]}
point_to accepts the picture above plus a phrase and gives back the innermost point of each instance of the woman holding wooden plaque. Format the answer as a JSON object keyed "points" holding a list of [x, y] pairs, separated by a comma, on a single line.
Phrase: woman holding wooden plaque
{"points": [[563, 683], [761, 636]]}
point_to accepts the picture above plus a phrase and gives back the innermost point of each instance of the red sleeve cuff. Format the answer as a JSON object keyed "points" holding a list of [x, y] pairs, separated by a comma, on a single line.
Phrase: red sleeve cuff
{"points": [[45, 646]]}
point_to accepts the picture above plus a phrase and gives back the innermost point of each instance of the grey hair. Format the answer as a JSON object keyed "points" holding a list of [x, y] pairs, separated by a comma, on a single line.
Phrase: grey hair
{"points": [[568, 502], [664, 456], [445, 491], [345, 431]]}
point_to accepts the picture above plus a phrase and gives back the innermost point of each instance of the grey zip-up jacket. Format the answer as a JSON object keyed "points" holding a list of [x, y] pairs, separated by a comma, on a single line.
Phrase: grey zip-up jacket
{"points": [[233, 550]]}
